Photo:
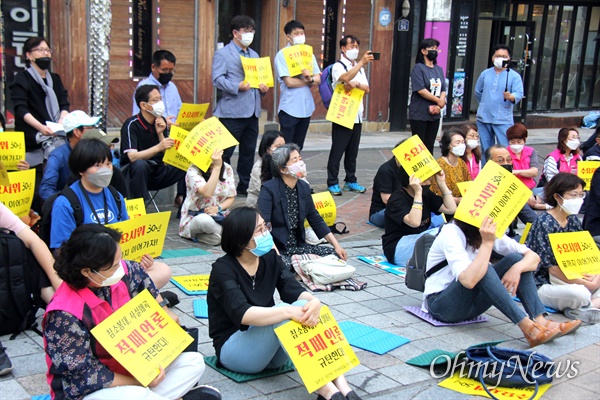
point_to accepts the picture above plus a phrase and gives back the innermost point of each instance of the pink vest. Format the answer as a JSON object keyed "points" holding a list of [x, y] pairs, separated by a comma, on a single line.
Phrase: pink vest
{"points": [[523, 163], [473, 167], [563, 165]]}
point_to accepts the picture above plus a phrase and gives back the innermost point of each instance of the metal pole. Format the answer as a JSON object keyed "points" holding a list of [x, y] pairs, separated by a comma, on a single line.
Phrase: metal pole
{"points": [[196, 16]]}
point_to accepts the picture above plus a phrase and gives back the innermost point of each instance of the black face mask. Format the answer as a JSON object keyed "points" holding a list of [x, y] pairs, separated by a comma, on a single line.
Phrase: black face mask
{"points": [[164, 79], [43, 62], [432, 54], [507, 167]]}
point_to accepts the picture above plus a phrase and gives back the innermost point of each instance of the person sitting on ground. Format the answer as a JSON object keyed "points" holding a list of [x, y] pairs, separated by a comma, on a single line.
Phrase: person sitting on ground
{"points": [[453, 148], [270, 141], [565, 194], [593, 153], [91, 267], [472, 156], [285, 203], [385, 182], [565, 157], [209, 195], [408, 215], [242, 315], [91, 160], [469, 284]]}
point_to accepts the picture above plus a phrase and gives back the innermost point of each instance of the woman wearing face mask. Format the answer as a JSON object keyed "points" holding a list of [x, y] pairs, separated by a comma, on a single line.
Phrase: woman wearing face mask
{"points": [[472, 156], [242, 314], [270, 141], [428, 93], [285, 202], [453, 147], [565, 193], [566, 155], [524, 158]]}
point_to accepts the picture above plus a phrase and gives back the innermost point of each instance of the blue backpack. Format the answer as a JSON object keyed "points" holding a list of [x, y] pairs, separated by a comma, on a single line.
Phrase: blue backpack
{"points": [[326, 85]]}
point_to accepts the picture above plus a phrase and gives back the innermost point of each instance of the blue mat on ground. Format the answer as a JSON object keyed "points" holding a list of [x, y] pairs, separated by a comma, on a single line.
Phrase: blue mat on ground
{"points": [[200, 308], [548, 309], [416, 311], [240, 377], [371, 339], [191, 252], [382, 263]]}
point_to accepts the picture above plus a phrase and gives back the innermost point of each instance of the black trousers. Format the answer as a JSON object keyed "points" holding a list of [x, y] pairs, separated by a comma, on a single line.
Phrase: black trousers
{"points": [[426, 130], [147, 175], [245, 130], [343, 141], [293, 129]]}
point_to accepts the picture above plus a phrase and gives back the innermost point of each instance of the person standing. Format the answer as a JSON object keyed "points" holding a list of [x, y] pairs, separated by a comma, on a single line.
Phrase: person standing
{"points": [[239, 107], [343, 140], [428, 93], [296, 103], [497, 90]]}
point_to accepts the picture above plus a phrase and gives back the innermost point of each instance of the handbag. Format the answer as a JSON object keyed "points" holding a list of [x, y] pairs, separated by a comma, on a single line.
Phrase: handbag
{"points": [[328, 269], [509, 368]]}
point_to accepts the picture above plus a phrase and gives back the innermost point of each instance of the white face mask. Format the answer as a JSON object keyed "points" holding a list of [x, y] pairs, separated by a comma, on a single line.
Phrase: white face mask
{"points": [[352, 54], [472, 143], [571, 206], [247, 38], [299, 39], [573, 144], [516, 148], [157, 109], [459, 150], [498, 61], [113, 279]]}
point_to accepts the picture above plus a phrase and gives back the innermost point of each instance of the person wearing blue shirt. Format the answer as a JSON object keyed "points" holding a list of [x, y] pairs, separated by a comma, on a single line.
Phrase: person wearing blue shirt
{"points": [[239, 107], [497, 90], [296, 103]]}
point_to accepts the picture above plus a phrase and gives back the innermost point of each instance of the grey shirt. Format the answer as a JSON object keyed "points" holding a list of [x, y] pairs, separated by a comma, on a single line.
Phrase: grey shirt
{"points": [[432, 79]]}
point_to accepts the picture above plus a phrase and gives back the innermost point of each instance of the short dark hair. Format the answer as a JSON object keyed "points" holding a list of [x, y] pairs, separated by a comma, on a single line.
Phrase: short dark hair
{"points": [[242, 21], [488, 151], [238, 230], [88, 153], [559, 184], [501, 46], [446, 139], [290, 26], [30, 44], [160, 55], [267, 141], [425, 43], [142, 93], [352, 38], [563, 134], [91, 246], [517, 131]]}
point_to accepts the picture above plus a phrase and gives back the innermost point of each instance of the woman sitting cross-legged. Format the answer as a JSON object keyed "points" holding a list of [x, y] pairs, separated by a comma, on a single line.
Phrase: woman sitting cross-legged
{"points": [[469, 284], [242, 314]]}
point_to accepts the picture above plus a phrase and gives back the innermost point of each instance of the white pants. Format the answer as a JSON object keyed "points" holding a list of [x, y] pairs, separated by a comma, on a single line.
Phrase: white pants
{"points": [[180, 376], [204, 223], [560, 295]]}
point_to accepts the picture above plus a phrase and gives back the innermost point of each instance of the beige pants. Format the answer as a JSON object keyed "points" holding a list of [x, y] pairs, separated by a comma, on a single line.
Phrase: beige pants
{"points": [[560, 295]]}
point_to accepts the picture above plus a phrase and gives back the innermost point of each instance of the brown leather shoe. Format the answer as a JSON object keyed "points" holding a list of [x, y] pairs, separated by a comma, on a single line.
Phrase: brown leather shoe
{"points": [[564, 327], [539, 334]]}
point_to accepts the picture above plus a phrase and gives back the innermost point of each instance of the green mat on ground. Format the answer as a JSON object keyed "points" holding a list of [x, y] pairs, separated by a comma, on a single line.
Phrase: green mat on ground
{"points": [[439, 357], [239, 377], [183, 253]]}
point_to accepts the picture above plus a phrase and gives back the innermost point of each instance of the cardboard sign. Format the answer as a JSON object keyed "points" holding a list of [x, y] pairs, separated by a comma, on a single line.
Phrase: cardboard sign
{"points": [[463, 186], [257, 71], [135, 207], [343, 108], [525, 233], [141, 336], [320, 353], [4, 177], [576, 253], [12, 149], [298, 58], [496, 193], [190, 115], [18, 195], [585, 170], [202, 141], [416, 159], [192, 283], [143, 235], [326, 207], [172, 155], [474, 388]]}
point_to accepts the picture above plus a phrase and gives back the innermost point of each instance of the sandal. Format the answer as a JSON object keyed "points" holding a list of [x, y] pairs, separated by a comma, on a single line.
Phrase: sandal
{"points": [[564, 327], [543, 334]]}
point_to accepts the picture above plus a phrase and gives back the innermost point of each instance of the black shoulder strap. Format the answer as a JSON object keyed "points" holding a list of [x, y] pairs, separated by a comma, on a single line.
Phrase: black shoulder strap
{"points": [[117, 197], [438, 267], [75, 204]]}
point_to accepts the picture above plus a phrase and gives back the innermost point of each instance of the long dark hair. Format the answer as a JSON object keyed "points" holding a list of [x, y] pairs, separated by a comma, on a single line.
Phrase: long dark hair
{"points": [[471, 232], [206, 175]]}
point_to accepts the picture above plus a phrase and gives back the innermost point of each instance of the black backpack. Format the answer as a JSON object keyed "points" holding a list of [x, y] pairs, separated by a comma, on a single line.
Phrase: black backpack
{"points": [[415, 268]]}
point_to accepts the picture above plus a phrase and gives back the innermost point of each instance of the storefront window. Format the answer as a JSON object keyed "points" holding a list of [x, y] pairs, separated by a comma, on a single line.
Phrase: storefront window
{"points": [[545, 64], [535, 49], [562, 69], [574, 69]]}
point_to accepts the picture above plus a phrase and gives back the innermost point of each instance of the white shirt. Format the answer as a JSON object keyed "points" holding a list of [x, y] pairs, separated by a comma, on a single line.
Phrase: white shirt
{"points": [[338, 70]]}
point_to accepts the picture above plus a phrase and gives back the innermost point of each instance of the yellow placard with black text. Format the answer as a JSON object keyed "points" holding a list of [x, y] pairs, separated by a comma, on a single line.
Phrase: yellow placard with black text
{"points": [[320, 353], [585, 170], [257, 71], [298, 58], [576, 253], [196, 284], [172, 155], [326, 207], [18, 195], [142, 337], [416, 159], [190, 115], [135, 207], [496, 193], [474, 388], [12, 149], [143, 235], [344, 106]]}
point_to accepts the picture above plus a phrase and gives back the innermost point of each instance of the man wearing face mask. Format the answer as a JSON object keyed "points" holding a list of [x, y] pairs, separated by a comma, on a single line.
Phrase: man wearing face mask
{"points": [[143, 143], [296, 103], [239, 107], [497, 90]]}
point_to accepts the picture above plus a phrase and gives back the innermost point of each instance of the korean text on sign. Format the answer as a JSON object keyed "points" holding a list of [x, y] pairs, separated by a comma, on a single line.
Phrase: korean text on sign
{"points": [[143, 235], [576, 253], [257, 71], [320, 353], [18, 194], [585, 170], [172, 155], [298, 58], [473, 387], [135, 207], [12, 149], [141, 336], [193, 283], [344, 106], [326, 207], [416, 159], [190, 115]]}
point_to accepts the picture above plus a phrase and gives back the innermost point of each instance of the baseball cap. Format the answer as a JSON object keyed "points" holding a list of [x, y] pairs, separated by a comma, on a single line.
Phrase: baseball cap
{"points": [[78, 118], [98, 134]]}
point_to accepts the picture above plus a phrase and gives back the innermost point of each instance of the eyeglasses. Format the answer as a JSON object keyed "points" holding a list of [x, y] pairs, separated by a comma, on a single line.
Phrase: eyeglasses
{"points": [[263, 229], [43, 50], [574, 195]]}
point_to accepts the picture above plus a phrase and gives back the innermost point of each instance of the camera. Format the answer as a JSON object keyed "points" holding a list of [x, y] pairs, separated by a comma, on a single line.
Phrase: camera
{"points": [[510, 64]]}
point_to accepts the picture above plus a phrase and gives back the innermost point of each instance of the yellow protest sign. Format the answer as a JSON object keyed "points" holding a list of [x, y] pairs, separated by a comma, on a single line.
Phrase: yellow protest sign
{"points": [[4, 178], [141, 336], [474, 388], [576, 253], [325, 206], [525, 233], [172, 155], [463, 186], [135, 207], [18, 195], [416, 159], [297, 58], [257, 71], [343, 108], [143, 235], [192, 284], [191, 115], [320, 353], [585, 170], [200, 143], [496, 193], [12, 149]]}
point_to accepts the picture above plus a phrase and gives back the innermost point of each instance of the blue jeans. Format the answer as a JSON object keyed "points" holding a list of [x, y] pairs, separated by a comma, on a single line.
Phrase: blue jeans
{"points": [[488, 133], [378, 218], [259, 346], [457, 303]]}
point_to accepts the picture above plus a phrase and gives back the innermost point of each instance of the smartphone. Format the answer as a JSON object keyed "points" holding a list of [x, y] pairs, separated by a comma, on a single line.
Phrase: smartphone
{"points": [[376, 56]]}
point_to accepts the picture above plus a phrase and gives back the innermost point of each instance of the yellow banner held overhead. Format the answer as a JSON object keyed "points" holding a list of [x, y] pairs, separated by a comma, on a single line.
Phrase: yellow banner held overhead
{"points": [[416, 159], [474, 388], [344, 106], [298, 58], [142, 337], [326, 207], [202, 141], [135, 207], [576, 253], [585, 170], [12, 149], [320, 353], [143, 235], [257, 71], [172, 155], [496, 193], [4, 177], [191, 115], [18, 195]]}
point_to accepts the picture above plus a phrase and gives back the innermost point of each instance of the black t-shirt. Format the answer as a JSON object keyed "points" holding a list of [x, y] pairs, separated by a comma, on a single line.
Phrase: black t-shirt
{"points": [[398, 207], [230, 293], [432, 79], [387, 180], [139, 134]]}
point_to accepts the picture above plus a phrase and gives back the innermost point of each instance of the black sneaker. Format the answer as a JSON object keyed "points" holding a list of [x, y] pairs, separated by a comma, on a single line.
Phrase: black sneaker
{"points": [[5, 364], [203, 392]]}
